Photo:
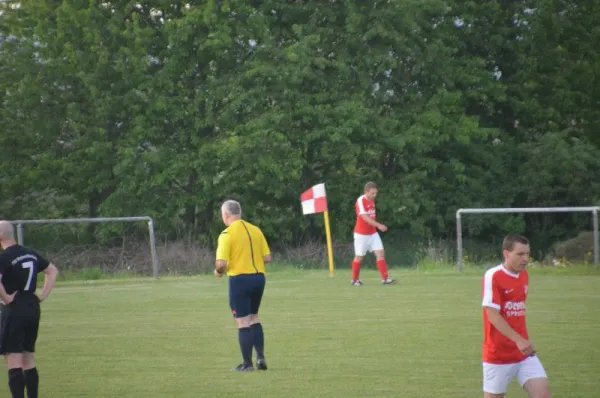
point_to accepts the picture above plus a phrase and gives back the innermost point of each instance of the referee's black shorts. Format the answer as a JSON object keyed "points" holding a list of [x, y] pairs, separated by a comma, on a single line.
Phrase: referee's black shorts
{"points": [[19, 325], [245, 294]]}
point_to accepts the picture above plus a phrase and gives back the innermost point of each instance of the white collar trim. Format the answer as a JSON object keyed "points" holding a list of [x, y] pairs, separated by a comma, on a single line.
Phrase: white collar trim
{"points": [[506, 271]]}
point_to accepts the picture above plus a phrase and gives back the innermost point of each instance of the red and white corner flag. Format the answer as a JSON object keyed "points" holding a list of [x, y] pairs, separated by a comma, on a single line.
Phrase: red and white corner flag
{"points": [[314, 200]]}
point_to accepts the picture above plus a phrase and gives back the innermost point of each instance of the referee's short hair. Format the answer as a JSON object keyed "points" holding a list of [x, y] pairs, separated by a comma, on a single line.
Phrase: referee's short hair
{"points": [[232, 207]]}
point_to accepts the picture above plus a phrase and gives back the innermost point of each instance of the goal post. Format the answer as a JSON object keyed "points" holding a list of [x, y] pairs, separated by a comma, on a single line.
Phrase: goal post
{"points": [[592, 209], [19, 224]]}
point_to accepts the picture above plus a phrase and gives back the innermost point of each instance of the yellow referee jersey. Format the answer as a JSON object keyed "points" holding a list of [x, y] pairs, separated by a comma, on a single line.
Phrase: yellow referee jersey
{"points": [[243, 246]]}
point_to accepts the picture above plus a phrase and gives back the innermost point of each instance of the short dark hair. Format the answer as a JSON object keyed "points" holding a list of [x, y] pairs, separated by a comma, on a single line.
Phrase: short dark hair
{"points": [[370, 185], [511, 239]]}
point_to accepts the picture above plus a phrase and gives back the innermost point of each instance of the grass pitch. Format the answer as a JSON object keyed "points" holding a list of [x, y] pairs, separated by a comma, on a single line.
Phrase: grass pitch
{"points": [[324, 338]]}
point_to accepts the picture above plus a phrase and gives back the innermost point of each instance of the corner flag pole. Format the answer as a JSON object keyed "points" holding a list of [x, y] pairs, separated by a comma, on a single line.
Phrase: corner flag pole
{"points": [[314, 200], [329, 248]]}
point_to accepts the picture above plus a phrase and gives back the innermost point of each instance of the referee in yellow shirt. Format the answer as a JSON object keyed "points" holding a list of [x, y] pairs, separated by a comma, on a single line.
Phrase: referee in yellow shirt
{"points": [[242, 253]]}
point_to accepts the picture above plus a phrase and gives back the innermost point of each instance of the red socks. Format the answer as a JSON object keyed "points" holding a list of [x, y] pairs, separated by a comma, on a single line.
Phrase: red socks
{"points": [[355, 270], [382, 267]]}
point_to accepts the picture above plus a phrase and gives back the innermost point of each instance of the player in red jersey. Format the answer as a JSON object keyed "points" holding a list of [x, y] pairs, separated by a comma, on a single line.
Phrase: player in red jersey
{"points": [[507, 351], [366, 237]]}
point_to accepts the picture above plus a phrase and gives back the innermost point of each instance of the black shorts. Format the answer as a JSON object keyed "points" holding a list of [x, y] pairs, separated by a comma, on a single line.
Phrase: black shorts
{"points": [[19, 324], [245, 294]]}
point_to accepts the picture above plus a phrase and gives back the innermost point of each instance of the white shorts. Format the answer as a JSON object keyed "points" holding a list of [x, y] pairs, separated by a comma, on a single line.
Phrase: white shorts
{"points": [[366, 243], [496, 377]]}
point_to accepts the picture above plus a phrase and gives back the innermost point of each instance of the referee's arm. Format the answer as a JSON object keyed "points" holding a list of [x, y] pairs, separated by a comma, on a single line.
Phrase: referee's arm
{"points": [[223, 249], [266, 251]]}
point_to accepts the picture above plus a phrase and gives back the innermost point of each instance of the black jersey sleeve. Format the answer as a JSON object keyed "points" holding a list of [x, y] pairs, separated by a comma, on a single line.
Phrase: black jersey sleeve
{"points": [[42, 263]]}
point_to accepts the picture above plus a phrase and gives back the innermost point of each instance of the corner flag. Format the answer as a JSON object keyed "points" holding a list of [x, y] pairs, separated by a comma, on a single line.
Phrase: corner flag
{"points": [[314, 200]]}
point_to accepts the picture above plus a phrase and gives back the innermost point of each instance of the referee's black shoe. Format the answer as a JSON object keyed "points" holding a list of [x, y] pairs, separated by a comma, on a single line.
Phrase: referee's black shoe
{"points": [[261, 364], [244, 368]]}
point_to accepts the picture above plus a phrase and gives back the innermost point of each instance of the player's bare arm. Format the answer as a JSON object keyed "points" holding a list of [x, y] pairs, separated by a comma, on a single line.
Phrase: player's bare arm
{"points": [[373, 223], [50, 274], [5, 297], [267, 259], [524, 345]]}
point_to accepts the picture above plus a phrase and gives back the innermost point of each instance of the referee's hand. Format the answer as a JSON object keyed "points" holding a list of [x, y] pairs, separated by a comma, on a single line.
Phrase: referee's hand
{"points": [[217, 273]]}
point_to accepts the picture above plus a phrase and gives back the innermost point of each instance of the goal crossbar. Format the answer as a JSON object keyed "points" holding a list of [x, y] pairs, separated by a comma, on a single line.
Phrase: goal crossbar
{"points": [[20, 223], [589, 209]]}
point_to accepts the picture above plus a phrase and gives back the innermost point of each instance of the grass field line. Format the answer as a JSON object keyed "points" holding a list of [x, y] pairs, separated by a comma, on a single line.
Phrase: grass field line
{"points": [[76, 289], [149, 329], [150, 285], [299, 324]]}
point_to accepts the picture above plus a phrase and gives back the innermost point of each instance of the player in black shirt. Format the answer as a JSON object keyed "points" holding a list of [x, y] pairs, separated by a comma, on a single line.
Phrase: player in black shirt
{"points": [[20, 316]]}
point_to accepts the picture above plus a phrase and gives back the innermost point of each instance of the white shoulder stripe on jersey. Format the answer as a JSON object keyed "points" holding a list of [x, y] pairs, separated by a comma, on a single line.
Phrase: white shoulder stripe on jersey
{"points": [[361, 206], [488, 291], [507, 272]]}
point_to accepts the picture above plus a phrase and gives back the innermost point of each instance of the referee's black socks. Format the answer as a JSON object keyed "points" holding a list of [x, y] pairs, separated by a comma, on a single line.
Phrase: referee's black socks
{"points": [[32, 381], [16, 382], [258, 339], [245, 337]]}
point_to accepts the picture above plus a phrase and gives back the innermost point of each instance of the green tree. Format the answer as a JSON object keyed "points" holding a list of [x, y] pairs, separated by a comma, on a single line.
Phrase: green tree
{"points": [[81, 83]]}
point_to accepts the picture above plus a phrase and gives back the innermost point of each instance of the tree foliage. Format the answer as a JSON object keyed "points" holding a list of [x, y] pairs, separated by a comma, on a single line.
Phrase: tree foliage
{"points": [[166, 108]]}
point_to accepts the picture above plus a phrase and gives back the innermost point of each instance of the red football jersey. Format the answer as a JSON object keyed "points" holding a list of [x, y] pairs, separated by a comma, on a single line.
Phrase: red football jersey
{"points": [[364, 206], [507, 292]]}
